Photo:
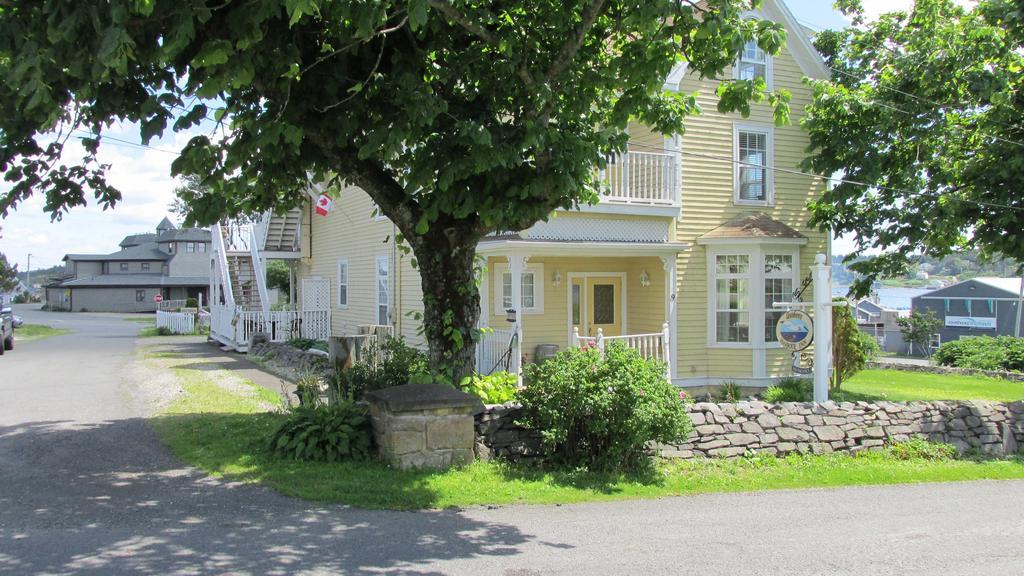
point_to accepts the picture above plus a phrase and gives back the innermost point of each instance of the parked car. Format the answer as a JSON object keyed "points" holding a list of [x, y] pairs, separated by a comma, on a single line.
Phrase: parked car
{"points": [[7, 329], [17, 321]]}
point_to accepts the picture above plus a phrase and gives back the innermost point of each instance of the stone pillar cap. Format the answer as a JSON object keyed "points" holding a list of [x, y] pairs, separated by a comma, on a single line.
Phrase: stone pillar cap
{"points": [[410, 397]]}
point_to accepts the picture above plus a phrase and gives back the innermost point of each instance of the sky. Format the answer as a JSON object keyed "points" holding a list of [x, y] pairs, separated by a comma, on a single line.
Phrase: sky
{"points": [[143, 176]]}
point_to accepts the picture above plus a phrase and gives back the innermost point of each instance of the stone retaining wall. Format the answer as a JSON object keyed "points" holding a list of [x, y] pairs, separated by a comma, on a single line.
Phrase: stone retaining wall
{"points": [[732, 430], [1012, 376], [301, 361], [498, 435]]}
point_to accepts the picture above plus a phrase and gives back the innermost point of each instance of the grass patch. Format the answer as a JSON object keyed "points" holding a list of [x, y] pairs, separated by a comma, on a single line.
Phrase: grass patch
{"points": [[30, 332], [901, 386], [224, 433], [148, 319]]}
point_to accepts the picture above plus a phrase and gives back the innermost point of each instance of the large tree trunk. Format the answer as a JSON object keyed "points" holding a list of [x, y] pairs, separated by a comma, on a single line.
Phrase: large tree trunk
{"points": [[451, 302]]}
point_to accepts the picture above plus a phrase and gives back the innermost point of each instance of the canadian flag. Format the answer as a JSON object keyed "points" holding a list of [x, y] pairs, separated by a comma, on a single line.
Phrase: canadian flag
{"points": [[324, 204]]}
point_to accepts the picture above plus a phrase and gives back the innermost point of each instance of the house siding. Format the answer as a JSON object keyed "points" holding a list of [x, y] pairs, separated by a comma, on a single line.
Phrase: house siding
{"points": [[707, 202]]}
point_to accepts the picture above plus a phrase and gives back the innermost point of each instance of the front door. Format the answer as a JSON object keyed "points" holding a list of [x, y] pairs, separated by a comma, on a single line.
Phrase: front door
{"points": [[596, 303]]}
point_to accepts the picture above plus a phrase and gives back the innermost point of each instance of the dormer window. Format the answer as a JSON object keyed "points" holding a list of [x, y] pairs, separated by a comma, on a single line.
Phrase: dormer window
{"points": [[754, 63]]}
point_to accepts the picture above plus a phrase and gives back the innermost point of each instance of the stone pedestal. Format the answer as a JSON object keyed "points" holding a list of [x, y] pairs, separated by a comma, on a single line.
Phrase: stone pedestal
{"points": [[424, 425]]}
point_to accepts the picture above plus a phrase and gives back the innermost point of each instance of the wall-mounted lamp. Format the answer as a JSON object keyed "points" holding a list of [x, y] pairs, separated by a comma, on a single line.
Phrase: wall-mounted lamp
{"points": [[556, 279], [510, 315], [645, 279]]}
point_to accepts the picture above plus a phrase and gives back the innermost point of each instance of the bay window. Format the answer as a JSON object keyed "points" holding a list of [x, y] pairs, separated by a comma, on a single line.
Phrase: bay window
{"points": [[732, 298], [743, 283]]}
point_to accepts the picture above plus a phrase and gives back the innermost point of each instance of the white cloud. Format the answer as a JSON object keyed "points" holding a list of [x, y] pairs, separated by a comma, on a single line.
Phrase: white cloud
{"points": [[143, 175]]}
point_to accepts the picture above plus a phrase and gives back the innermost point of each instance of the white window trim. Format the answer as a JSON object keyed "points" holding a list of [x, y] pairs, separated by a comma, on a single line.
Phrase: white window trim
{"points": [[757, 307], [343, 261], [376, 288], [538, 288], [769, 70], [190, 247], [769, 131]]}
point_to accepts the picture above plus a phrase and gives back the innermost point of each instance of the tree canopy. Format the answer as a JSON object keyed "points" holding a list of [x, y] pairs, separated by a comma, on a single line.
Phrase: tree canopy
{"points": [[924, 115], [458, 117], [8, 275]]}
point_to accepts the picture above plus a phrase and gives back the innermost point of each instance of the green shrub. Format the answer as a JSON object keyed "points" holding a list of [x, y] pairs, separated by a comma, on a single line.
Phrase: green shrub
{"points": [[308, 389], [729, 392], [191, 303], [600, 412], [1004, 353], [789, 390], [164, 331], [389, 363], [498, 388], [326, 433], [921, 449]]}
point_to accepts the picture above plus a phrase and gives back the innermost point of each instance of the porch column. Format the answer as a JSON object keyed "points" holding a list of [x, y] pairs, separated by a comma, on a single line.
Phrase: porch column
{"points": [[669, 263], [515, 267]]}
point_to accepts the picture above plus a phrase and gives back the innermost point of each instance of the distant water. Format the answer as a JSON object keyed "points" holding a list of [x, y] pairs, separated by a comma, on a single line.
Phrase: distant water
{"points": [[895, 298]]}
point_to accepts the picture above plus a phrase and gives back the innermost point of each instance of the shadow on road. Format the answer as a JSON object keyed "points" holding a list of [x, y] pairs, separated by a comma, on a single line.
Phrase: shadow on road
{"points": [[106, 497]]}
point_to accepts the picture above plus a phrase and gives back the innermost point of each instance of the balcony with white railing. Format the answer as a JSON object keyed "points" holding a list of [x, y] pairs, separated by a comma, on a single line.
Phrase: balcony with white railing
{"points": [[641, 180]]}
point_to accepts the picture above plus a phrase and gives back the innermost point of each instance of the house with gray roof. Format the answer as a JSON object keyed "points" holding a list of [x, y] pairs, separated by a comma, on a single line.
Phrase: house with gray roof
{"points": [[172, 263], [981, 306]]}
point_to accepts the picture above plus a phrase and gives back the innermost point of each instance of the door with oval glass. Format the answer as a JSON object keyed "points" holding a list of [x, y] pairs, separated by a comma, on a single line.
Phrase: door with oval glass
{"points": [[596, 302]]}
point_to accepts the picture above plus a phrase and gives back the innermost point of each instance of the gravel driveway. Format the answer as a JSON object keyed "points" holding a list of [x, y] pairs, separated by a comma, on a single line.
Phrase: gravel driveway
{"points": [[85, 487]]}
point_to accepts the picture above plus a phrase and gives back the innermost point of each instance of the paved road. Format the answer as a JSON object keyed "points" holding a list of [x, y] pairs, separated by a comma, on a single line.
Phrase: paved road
{"points": [[86, 488]]}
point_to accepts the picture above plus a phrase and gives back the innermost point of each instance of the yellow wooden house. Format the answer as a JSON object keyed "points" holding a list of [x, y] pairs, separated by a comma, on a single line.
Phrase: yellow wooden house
{"points": [[695, 237]]}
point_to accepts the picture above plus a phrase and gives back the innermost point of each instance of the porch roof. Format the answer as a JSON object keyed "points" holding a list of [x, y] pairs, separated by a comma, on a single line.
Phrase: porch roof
{"points": [[757, 227], [509, 245]]}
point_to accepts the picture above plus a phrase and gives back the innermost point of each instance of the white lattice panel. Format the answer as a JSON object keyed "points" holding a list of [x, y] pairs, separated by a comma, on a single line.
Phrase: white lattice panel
{"points": [[316, 294], [597, 230]]}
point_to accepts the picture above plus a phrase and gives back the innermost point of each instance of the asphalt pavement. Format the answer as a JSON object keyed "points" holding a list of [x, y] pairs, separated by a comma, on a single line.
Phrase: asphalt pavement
{"points": [[86, 488]]}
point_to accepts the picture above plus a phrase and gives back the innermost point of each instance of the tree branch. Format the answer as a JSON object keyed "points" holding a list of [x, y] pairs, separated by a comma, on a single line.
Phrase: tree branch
{"points": [[572, 45], [462, 20]]}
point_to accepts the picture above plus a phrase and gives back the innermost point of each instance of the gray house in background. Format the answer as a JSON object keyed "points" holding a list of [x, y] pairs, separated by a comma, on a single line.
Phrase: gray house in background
{"points": [[976, 307], [172, 262], [881, 323]]}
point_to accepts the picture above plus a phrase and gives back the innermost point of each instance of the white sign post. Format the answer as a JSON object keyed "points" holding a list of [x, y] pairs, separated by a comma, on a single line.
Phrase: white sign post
{"points": [[821, 275]]}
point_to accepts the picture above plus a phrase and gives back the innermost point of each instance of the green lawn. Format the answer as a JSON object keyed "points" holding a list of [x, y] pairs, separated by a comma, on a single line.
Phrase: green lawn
{"points": [[897, 385], [29, 332], [224, 434], [144, 319]]}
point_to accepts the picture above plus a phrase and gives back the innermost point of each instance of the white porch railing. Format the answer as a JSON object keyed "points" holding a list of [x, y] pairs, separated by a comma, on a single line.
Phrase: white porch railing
{"points": [[176, 322], [496, 351], [655, 346], [648, 178], [234, 326], [170, 305]]}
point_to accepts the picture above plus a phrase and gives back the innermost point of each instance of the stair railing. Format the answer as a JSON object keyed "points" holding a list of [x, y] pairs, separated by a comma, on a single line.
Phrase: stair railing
{"points": [[221, 260], [259, 270]]}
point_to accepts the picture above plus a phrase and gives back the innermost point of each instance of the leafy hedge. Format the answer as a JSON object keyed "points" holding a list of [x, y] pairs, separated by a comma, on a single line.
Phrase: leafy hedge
{"points": [[326, 433], [390, 362], [601, 412], [497, 388], [1004, 353]]}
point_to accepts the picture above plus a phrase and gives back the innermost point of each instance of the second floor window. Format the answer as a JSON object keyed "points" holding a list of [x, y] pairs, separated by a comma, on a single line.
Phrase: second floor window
{"points": [[201, 246], [124, 267], [145, 266], [753, 165], [190, 247], [753, 63]]}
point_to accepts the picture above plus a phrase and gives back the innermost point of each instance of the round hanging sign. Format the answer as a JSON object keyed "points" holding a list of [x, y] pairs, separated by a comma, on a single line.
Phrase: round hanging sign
{"points": [[795, 330]]}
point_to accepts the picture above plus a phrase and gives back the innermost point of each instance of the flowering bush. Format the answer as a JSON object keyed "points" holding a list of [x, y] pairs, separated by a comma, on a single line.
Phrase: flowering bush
{"points": [[600, 412]]}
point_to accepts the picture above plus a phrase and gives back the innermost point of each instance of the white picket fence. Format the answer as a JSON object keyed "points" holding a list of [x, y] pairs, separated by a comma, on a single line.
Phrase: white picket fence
{"points": [[171, 305], [176, 322], [654, 345], [235, 326]]}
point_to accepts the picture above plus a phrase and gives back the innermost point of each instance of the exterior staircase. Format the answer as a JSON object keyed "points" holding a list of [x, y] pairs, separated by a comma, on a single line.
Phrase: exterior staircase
{"points": [[240, 304]]}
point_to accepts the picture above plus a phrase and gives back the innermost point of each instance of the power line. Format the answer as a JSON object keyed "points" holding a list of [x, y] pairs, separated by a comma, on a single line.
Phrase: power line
{"points": [[102, 137], [811, 175]]}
